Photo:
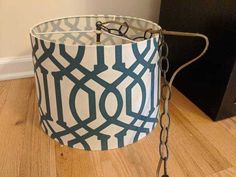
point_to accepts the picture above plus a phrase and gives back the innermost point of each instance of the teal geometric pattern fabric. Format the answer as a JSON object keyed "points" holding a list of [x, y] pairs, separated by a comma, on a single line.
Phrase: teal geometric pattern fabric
{"points": [[97, 97]]}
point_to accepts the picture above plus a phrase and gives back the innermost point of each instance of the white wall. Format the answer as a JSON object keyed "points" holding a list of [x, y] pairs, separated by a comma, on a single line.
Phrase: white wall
{"points": [[17, 16]]}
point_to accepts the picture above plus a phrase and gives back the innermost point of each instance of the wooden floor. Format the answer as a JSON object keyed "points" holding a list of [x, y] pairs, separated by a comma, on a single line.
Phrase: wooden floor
{"points": [[199, 147]]}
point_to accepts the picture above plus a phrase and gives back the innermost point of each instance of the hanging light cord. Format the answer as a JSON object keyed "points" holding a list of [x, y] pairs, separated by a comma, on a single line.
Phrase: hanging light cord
{"points": [[186, 34]]}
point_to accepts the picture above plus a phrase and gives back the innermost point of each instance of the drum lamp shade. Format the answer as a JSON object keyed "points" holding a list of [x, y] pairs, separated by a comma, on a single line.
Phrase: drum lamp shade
{"points": [[95, 96]]}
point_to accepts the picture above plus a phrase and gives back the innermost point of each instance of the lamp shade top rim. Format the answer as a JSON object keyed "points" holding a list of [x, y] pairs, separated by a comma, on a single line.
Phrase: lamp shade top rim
{"points": [[80, 30]]}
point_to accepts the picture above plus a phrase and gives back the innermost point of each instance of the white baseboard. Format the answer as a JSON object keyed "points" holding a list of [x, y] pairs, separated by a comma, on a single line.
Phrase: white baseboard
{"points": [[16, 67]]}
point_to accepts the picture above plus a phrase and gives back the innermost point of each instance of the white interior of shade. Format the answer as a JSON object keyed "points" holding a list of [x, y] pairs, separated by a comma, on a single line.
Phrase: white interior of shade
{"points": [[81, 30]]}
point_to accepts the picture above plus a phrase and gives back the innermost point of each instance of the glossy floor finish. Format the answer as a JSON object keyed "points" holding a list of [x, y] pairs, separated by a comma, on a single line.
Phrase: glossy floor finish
{"points": [[198, 146]]}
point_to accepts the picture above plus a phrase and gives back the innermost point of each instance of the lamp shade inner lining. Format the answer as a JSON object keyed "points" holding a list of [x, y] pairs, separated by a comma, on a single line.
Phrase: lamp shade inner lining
{"points": [[81, 30]]}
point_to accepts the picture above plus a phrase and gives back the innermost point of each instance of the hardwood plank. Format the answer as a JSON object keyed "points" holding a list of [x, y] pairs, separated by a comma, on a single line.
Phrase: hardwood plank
{"points": [[38, 150], [230, 172], [230, 125], [196, 155], [13, 108], [219, 136]]}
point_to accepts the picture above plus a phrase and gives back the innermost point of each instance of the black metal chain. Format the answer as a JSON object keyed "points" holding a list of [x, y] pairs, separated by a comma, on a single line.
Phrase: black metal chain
{"points": [[165, 88], [121, 31], [165, 96]]}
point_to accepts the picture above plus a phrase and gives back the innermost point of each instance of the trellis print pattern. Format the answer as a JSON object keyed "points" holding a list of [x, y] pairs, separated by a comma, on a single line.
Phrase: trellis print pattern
{"points": [[74, 84]]}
